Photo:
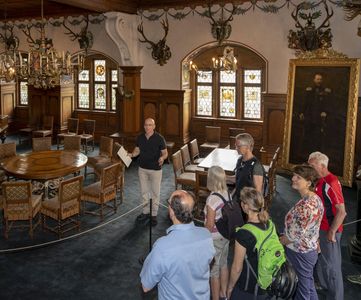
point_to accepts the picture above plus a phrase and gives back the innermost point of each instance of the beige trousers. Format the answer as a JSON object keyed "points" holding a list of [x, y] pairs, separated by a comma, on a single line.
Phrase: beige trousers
{"points": [[150, 181]]}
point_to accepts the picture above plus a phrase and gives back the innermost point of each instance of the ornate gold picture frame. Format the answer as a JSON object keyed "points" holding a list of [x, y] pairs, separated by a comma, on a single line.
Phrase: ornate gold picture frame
{"points": [[321, 112]]}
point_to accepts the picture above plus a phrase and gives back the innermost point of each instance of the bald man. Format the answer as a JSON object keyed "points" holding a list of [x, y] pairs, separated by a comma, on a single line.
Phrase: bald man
{"points": [[152, 151], [179, 262]]}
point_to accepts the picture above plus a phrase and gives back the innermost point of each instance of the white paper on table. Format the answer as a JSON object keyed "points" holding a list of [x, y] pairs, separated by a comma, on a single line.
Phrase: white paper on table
{"points": [[123, 155]]}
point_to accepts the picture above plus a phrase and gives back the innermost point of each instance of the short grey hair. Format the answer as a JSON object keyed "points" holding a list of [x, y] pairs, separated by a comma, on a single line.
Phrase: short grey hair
{"points": [[216, 179], [246, 139], [319, 157]]}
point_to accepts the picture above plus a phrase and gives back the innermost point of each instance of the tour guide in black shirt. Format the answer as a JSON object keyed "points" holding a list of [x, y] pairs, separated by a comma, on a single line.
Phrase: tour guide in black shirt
{"points": [[152, 151]]}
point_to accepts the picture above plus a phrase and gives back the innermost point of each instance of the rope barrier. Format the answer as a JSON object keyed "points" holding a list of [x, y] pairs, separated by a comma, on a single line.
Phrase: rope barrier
{"points": [[72, 236]]}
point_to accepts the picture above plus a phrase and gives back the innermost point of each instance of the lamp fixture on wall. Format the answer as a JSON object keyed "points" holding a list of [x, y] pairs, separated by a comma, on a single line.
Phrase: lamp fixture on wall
{"points": [[227, 62], [44, 66]]}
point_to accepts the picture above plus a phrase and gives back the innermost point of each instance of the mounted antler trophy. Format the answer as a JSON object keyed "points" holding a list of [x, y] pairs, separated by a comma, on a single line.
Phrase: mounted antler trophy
{"points": [[221, 28], [160, 51], [11, 41], [84, 37], [308, 37]]}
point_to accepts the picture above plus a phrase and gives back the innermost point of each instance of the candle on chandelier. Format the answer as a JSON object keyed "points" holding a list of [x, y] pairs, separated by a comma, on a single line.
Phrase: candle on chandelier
{"points": [[20, 60]]}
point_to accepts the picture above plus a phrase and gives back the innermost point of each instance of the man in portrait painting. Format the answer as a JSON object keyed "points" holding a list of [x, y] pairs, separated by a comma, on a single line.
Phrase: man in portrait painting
{"points": [[315, 115]]}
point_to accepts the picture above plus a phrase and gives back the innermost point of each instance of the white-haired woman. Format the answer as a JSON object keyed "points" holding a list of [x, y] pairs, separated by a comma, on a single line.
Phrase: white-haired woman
{"points": [[216, 183]]}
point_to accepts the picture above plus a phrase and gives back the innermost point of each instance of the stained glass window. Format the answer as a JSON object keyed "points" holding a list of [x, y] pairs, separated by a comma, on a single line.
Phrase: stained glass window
{"points": [[23, 93], [204, 76], [114, 98], [204, 103], [252, 102], [227, 101], [83, 95], [252, 76], [99, 70], [115, 75], [228, 77], [100, 96], [83, 75]]}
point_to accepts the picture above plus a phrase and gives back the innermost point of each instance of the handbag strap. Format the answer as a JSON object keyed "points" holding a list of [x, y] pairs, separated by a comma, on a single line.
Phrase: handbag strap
{"points": [[220, 196]]}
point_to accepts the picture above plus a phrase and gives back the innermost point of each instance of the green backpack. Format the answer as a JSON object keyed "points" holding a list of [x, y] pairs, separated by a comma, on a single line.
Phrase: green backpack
{"points": [[270, 253]]}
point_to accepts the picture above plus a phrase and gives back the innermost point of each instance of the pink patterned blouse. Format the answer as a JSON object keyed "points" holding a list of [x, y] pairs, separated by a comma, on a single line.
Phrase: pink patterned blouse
{"points": [[302, 224]]}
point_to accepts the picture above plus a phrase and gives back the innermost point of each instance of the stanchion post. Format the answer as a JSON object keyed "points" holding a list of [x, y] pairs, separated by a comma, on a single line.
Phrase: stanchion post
{"points": [[150, 223]]}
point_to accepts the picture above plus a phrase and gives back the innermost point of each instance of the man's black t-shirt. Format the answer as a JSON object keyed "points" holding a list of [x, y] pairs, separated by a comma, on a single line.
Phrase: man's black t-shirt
{"points": [[248, 241], [150, 150]]}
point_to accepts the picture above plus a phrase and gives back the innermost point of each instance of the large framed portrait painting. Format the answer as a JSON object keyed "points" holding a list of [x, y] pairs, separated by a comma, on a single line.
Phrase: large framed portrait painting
{"points": [[321, 113]]}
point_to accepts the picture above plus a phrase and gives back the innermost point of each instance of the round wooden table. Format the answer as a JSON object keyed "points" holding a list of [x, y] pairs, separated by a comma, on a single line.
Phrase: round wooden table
{"points": [[45, 165]]}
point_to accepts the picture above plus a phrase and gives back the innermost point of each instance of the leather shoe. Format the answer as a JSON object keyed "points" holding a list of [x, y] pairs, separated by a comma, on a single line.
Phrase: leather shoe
{"points": [[142, 217], [154, 221]]}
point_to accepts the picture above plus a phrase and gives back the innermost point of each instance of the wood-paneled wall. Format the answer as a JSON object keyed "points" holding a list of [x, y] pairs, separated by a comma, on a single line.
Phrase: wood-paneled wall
{"points": [[8, 100], [171, 111]]}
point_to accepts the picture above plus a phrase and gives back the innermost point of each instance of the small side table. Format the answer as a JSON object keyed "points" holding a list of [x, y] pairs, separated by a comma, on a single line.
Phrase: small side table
{"points": [[170, 146]]}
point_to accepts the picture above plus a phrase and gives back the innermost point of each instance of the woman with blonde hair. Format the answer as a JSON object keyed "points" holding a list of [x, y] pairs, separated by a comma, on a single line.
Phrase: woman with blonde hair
{"points": [[216, 183], [242, 285]]}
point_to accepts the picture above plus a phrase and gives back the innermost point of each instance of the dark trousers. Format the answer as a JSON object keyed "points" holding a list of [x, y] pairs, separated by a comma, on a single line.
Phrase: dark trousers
{"points": [[328, 267], [238, 294], [304, 264]]}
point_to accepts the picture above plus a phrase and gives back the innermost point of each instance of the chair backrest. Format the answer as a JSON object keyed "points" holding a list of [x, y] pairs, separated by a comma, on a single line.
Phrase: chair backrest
{"points": [[193, 145], [7, 150], [69, 196], [185, 155], [233, 132], [72, 142], [89, 126], [48, 122], [201, 182], [116, 148], [106, 146], [109, 176], [73, 125], [41, 143], [17, 199], [213, 134], [177, 163]]}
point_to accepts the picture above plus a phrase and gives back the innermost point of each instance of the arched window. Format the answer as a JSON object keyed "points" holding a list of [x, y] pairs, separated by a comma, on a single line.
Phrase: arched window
{"points": [[95, 84], [228, 94]]}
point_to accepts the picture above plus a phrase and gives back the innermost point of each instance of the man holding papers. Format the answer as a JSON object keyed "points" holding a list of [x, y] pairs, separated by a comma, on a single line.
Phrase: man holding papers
{"points": [[152, 151]]}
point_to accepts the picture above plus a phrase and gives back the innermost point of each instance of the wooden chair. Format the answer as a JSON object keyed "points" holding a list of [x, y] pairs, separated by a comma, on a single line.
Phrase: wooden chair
{"points": [[88, 134], [180, 176], [73, 126], [6, 151], [271, 173], [115, 159], [72, 142], [41, 144], [193, 145], [187, 163], [233, 132], [20, 205], [103, 191], [47, 127], [104, 156], [64, 206], [201, 192], [213, 139]]}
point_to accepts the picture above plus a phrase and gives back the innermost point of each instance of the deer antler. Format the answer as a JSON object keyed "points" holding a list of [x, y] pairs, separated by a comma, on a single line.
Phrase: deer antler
{"points": [[326, 22], [211, 14], [72, 34], [140, 30], [294, 16], [165, 26], [27, 32], [231, 15]]}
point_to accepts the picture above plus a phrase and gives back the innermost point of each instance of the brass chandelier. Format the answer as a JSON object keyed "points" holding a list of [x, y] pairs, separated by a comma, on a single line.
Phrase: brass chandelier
{"points": [[44, 67], [227, 62]]}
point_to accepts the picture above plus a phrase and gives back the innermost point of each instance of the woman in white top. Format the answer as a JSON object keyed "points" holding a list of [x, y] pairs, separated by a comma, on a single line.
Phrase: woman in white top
{"points": [[216, 183]]}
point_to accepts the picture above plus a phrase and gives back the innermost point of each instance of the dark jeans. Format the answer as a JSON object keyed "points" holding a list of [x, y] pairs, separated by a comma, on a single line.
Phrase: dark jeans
{"points": [[304, 264]]}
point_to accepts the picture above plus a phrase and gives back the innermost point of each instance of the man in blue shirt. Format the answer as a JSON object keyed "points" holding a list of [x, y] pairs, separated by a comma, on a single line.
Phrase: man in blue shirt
{"points": [[179, 262]]}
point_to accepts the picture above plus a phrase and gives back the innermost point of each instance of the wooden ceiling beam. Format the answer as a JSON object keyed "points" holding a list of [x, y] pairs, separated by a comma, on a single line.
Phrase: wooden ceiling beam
{"points": [[101, 6]]}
